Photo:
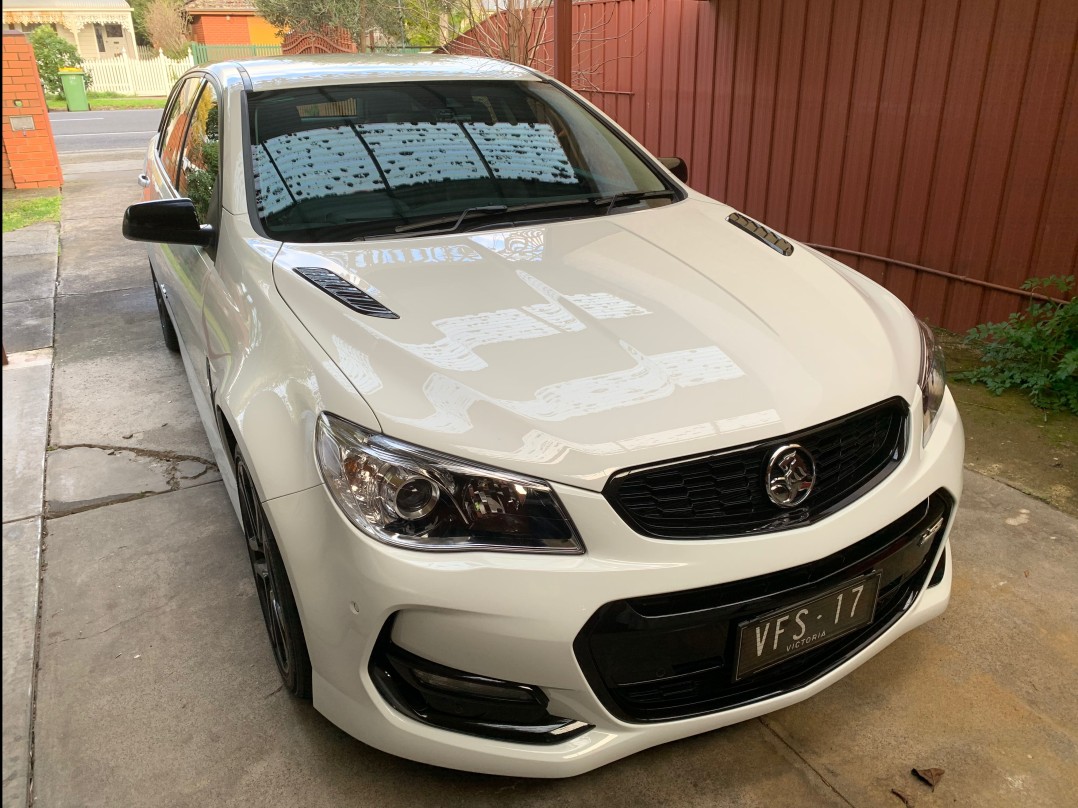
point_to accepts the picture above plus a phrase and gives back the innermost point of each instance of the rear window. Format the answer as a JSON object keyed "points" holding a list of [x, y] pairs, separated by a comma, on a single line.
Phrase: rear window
{"points": [[346, 162]]}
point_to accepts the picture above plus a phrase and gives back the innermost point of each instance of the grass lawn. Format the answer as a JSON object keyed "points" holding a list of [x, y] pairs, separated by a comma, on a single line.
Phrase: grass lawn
{"points": [[100, 101], [23, 212]]}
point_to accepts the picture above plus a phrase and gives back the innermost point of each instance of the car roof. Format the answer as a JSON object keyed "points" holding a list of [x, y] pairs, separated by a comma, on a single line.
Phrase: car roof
{"points": [[281, 72]]}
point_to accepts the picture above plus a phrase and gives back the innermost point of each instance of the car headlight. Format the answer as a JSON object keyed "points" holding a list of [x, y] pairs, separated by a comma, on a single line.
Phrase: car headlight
{"points": [[412, 497], [932, 381]]}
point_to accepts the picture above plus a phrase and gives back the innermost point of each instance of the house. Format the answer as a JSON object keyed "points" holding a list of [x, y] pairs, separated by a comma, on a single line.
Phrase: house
{"points": [[229, 22], [97, 28]]}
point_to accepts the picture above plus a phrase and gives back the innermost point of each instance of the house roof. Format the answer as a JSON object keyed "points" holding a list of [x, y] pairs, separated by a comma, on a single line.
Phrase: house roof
{"points": [[65, 5], [221, 6]]}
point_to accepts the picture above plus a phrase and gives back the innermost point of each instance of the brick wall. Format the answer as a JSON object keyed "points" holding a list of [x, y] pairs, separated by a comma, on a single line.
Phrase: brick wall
{"points": [[262, 33], [221, 29], [30, 155], [9, 180]]}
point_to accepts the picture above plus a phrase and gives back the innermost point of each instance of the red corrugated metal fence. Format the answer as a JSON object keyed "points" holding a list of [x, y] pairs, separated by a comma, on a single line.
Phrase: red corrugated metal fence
{"points": [[940, 133]]}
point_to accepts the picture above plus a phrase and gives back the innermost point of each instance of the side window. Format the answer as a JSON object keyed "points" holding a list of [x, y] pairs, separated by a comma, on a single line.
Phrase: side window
{"points": [[172, 133], [202, 154]]}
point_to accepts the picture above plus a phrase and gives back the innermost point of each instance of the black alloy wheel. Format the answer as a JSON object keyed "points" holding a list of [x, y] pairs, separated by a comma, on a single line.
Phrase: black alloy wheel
{"points": [[274, 591], [167, 329]]}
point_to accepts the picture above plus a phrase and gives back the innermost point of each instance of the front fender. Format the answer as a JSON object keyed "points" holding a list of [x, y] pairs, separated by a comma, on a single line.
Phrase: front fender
{"points": [[268, 377]]}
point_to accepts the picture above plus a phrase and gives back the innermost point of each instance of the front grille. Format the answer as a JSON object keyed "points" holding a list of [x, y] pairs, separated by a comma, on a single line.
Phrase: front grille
{"points": [[673, 656], [725, 493]]}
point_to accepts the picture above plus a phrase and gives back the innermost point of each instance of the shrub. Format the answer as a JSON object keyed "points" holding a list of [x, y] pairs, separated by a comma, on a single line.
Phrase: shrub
{"points": [[1034, 350], [52, 51]]}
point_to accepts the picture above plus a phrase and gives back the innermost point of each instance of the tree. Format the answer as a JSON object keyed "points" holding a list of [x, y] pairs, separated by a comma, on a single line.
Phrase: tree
{"points": [[138, 19], [435, 23], [513, 30], [522, 31], [52, 51], [166, 26], [358, 18]]}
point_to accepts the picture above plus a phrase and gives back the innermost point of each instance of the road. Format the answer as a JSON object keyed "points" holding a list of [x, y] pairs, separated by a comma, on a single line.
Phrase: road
{"points": [[105, 130]]}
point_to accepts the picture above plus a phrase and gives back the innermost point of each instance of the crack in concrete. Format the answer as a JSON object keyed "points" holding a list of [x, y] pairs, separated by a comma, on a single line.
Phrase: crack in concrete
{"points": [[157, 454], [61, 510], [120, 499], [99, 292], [29, 300], [172, 476], [142, 613], [789, 745], [107, 555], [17, 519]]}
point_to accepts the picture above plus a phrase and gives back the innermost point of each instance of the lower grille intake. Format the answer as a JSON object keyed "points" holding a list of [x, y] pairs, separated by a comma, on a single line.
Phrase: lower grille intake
{"points": [[673, 656]]}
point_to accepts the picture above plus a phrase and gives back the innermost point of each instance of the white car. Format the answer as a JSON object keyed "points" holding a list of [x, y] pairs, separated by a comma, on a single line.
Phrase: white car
{"points": [[542, 458]]}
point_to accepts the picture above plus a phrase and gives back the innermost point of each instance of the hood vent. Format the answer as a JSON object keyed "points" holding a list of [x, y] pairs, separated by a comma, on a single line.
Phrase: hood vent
{"points": [[757, 230], [338, 288]]}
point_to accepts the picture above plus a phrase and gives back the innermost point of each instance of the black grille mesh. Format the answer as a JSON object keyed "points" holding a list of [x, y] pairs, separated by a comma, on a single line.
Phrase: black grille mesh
{"points": [[725, 494]]}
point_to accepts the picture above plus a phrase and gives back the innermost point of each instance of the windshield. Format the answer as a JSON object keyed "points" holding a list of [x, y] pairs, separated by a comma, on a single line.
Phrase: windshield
{"points": [[347, 162]]}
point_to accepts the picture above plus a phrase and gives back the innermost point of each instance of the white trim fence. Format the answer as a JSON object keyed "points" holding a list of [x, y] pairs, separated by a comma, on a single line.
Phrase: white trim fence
{"points": [[122, 74]]}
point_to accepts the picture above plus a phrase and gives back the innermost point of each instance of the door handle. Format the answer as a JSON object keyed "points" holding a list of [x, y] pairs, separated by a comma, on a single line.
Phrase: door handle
{"points": [[143, 180]]}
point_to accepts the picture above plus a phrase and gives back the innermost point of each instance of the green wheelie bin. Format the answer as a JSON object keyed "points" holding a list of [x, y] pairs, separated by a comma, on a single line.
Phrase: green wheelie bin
{"points": [[73, 80]]}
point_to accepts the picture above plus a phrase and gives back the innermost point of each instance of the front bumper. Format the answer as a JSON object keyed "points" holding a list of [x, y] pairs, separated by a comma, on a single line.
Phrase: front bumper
{"points": [[516, 617]]}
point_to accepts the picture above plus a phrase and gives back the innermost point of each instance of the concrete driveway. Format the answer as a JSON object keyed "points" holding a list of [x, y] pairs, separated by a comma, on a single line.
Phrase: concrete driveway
{"points": [[156, 686]]}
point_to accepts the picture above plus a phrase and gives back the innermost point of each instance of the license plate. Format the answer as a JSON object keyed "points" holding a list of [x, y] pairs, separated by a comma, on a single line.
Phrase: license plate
{"points": [[775, 637]]}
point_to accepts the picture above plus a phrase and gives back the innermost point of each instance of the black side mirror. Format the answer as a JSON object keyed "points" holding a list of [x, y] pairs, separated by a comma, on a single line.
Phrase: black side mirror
{"points": [[166, 221], [676, 166]]}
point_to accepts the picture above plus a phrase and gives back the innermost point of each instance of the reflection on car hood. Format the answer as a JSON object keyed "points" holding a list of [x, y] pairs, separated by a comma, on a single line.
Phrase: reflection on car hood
{"points": [[574, 349]]}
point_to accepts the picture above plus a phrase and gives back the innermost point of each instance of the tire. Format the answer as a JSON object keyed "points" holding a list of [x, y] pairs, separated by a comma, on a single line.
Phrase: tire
{"points": [[172, 342], [275, 597]]}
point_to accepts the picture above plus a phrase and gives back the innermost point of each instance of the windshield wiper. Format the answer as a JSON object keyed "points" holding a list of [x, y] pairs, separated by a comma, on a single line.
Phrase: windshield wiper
{"points": [[454, 221], [627, 197]]}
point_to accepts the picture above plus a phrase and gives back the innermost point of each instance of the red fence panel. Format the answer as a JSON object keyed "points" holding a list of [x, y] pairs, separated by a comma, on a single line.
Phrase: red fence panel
{"points": [[933, 133]]}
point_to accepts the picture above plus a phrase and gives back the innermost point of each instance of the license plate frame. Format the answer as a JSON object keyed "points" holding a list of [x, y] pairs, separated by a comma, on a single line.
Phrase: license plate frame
{"points": [[756, 633]]}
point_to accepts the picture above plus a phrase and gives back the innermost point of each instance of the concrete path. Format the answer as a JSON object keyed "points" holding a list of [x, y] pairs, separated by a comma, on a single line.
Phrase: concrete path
{"points": [[29, 284], [156, 685]]}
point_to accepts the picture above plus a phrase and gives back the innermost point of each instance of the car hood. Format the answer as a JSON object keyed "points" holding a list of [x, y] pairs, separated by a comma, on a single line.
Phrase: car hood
{"points": [[571, 350]]}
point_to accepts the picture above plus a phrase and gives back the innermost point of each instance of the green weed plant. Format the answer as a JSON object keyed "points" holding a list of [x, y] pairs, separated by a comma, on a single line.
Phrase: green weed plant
{"points": [[1035, 350]]}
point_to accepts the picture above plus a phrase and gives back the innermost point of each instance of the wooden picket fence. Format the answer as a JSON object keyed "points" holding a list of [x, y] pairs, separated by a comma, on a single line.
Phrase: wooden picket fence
{"points": [[122, 74]]}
